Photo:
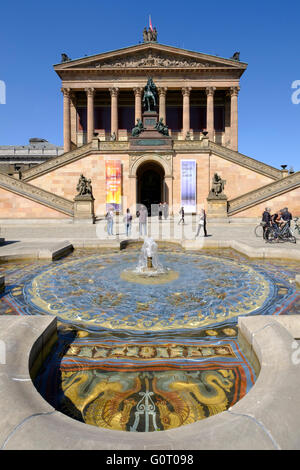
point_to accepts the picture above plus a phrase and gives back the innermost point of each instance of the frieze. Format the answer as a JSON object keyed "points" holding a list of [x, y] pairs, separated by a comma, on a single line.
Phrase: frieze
{"points": [[153, 60]]}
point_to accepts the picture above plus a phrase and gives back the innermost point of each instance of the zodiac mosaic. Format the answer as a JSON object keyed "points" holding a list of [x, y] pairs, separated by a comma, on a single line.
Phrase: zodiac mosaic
{"points": [[208, 291]]}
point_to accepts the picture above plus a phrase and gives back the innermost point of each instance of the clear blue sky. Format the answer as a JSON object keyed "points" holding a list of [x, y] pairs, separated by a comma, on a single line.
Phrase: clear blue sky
{"points": [[34, 34]]}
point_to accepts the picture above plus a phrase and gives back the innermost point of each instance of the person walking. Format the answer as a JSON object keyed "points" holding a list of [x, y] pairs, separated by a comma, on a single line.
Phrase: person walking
{"points": [[181, 212], [143, 220], [128, 221], [160, 211], [165, 210], [110, 221], [201, 223]]}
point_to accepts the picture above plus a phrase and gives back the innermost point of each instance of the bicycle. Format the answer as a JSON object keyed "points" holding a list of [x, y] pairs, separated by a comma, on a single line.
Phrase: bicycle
{"points": [[276, 234], [259, 230]]}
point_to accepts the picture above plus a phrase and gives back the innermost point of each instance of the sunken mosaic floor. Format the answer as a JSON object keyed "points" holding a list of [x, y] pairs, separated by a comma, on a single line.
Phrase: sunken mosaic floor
{"points": [[147, 358]]}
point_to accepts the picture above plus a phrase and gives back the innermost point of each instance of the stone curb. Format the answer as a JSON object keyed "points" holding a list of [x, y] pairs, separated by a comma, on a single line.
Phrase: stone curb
{"points": [[53, 251], [267, 417]]}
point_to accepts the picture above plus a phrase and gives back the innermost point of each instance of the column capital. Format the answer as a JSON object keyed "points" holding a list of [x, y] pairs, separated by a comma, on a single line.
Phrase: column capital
{"points": [[210, 90], [234, 90], [162, 91], [138, 90], [66, 92], [186, 91], [90, 91], [114, 91]]}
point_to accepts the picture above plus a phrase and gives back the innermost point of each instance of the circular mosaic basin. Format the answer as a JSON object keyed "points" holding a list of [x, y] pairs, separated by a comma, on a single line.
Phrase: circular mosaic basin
{"points": [[91, 292]]}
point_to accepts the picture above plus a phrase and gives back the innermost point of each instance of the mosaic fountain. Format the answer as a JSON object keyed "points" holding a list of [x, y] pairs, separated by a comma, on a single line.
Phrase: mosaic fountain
{"points": [[148, 343]]}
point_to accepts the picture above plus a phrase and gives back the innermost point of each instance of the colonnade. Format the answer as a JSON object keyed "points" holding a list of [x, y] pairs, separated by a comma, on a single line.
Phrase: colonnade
{"points": [[162, 92]]}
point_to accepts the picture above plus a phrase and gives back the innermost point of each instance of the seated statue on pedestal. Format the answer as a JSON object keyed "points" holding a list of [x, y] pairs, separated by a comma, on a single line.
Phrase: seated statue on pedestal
{"points": [[217, 189], [160, 127], [84, 186], [138, 128]]}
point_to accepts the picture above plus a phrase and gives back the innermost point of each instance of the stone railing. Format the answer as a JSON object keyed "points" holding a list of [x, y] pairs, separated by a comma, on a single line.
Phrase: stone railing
{"points": [[245, 161], [224, 152], [56, 162], [263, 194], [37, 194]]}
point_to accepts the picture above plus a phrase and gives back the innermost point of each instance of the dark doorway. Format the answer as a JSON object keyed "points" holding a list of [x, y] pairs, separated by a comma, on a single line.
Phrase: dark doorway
{"points": [[150, 187]]}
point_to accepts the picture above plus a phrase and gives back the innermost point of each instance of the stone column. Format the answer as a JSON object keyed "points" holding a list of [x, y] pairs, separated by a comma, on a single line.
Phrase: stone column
{"points": [[186, 111], [162, 104], [67, 119], [168, 180], [234, 117], [138, 103], [114, 110], [90, 113], [210, 112]]}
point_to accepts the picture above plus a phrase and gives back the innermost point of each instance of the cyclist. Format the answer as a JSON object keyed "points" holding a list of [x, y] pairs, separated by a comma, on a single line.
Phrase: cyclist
{"points": [[275, 219]]}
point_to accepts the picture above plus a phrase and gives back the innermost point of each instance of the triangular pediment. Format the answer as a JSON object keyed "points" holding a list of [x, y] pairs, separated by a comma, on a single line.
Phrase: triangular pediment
{"points": [[151, 55]]}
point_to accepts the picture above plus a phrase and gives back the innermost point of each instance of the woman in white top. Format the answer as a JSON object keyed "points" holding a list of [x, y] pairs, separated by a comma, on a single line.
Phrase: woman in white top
{"points": [[110, 221], [201, 223]]}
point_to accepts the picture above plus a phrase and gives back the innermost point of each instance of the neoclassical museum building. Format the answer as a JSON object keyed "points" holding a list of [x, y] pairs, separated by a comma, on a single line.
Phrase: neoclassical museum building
{"points": [[146, 124]]}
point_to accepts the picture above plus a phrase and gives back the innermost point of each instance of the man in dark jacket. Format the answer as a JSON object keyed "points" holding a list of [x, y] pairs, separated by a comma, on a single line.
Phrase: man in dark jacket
{"points": [[266, 220], [286, 216]]}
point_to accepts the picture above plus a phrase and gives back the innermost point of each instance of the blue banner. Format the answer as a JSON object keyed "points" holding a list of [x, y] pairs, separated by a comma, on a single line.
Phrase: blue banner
{"points": [[188, 185]]}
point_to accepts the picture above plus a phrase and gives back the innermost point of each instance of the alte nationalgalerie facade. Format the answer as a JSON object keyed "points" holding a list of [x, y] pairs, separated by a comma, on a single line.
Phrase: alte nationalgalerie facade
{"points": [[103, 99]]}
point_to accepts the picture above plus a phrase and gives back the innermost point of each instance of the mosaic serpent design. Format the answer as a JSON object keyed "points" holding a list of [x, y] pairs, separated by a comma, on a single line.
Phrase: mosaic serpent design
{"points": [[147, 358]]}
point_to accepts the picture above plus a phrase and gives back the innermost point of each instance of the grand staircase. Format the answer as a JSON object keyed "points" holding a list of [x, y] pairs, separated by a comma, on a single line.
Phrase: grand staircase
{"points": [[263, 194], [38, 195], [56, 162]]}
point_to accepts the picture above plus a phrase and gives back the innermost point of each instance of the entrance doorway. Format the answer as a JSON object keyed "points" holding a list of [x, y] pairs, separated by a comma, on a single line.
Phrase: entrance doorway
{"points": [[150, 185]]}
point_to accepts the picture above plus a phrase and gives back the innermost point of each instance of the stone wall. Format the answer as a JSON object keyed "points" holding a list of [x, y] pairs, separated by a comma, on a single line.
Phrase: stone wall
{"points": [[290, 199], [63, 181], [13, 206]]}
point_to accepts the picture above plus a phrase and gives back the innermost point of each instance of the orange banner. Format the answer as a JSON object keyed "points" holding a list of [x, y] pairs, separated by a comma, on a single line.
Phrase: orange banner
{"points": [[113, 183]]}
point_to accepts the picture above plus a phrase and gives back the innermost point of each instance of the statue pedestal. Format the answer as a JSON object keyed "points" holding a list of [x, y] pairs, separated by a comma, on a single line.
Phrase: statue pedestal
{"points": [[150, 119], [150, 138], [217, 207], [84, 209]]}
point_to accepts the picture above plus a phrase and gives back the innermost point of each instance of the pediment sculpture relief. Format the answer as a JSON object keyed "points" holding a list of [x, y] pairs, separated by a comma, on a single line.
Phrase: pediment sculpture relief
{"points": [[152, 61]]}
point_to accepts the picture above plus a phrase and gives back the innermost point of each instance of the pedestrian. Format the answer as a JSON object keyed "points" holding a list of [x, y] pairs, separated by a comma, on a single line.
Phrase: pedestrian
{"points": [[110, 221], [165, 210], [160, 211], [201, 223], [266, 222], [128, 221], [286, 216], [181, 212], [143, 220]]}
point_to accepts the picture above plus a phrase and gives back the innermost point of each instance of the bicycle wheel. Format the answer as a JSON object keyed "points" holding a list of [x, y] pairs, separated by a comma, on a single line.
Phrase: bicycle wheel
{"points": [[271, 235], [259, 231], [292, 239]]}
